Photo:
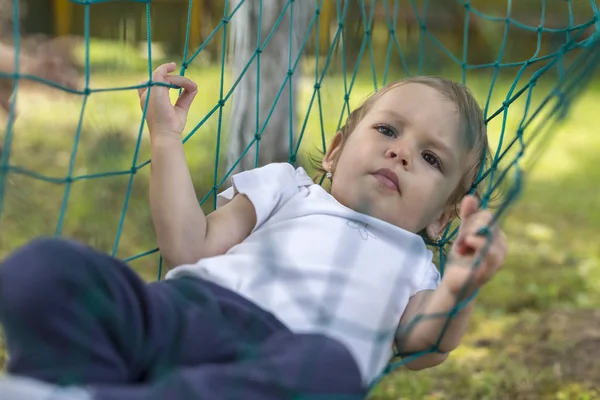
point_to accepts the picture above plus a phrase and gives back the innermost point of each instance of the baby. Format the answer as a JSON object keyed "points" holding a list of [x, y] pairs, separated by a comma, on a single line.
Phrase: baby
{"points": [[286, 290]]}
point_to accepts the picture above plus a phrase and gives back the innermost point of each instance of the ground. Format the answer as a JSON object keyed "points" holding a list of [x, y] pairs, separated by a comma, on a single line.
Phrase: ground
{"points": [[535, 334], [533, 356]]}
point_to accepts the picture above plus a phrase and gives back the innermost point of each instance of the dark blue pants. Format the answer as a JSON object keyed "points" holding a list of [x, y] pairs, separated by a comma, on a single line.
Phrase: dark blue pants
{"points": [[72, 315]]}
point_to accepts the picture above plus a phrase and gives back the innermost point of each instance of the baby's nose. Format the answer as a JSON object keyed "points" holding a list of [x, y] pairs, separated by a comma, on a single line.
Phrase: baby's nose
{"points": [[400, 154]]}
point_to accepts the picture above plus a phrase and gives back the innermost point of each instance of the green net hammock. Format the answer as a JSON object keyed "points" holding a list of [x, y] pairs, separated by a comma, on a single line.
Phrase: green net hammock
{"points": [[350, 48]]}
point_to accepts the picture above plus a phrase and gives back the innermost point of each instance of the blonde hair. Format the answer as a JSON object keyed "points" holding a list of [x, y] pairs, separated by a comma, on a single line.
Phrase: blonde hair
{"points": [[471, 126]]}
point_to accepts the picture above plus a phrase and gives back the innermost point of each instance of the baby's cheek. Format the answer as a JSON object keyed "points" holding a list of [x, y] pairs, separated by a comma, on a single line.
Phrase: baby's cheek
{"points": [[423, 212]]}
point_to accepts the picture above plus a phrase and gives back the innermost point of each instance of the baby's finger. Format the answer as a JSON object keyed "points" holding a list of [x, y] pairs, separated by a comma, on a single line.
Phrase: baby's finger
{"points": [[142, 89], [470, 215], [190, 89], [481, 220], [502, 240], [499, 249], [468, 207], [182, 82], [495, 259], [165, 69], [470, 244], [160, 73], [472, 227], [475, 242]]}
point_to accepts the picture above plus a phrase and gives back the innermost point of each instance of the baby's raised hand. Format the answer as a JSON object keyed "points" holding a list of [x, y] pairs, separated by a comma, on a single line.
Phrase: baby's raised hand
{"points": [[471, 246], [163, 118]]}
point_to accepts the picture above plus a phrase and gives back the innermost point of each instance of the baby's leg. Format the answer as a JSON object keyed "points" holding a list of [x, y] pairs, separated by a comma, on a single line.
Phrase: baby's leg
{"points": [[72, 315], [284, 367], [75, 316]]}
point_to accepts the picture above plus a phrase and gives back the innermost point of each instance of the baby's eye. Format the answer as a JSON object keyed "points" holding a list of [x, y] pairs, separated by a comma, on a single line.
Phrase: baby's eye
{"points": [[386, 130], [432, 160]]}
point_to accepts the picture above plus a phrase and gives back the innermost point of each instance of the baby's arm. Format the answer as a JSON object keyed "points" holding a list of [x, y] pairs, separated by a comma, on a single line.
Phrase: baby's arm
{"points": [[460, 281], [434, 306], [183, 232]]}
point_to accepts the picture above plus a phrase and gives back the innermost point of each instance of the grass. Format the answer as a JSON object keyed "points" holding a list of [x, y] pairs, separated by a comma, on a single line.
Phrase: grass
{"points": [[535, 333]]}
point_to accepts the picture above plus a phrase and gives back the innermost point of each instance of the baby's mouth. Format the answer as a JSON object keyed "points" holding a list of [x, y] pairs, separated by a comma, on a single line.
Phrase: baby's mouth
{"points": [[388, 179]]}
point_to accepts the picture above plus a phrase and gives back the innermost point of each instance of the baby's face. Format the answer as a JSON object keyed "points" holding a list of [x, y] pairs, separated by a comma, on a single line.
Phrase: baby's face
{"points": [[403, 160]]}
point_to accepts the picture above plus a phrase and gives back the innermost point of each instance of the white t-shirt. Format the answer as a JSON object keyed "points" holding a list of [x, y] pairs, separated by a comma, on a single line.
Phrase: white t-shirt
{"points": [[319, 266]]}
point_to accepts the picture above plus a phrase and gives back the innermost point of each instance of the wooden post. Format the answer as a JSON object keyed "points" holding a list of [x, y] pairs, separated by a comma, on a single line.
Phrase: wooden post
{"points": [[327, 11], [63, 14], [196, 25]]}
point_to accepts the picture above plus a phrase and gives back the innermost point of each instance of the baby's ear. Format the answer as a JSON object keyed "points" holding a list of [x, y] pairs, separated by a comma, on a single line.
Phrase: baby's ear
{"points": [[333, 152]]}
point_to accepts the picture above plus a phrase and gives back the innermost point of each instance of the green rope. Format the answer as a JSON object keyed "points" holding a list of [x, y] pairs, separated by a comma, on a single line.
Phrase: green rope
{"points": [[582, 52]]}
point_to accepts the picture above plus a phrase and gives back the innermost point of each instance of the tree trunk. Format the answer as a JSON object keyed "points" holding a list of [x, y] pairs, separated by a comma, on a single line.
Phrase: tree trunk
{"points": [[274, 144]]}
